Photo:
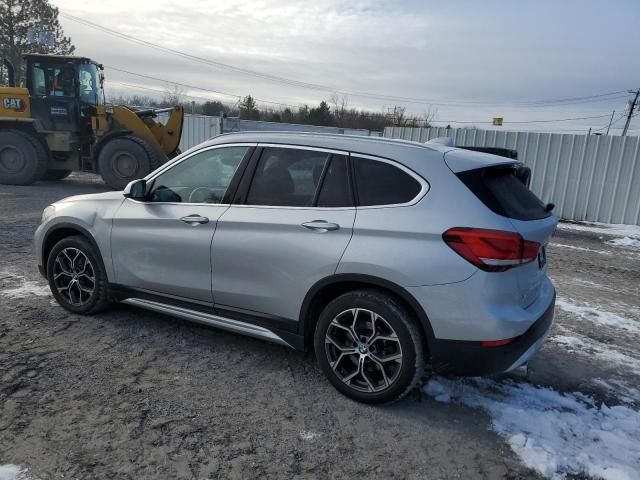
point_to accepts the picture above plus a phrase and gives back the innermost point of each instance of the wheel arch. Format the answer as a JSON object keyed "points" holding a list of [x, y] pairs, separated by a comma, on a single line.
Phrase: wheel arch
{"points": [[64, 230], [325, 290]]}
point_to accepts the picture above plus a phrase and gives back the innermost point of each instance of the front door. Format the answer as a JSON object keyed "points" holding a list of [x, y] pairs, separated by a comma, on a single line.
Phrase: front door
{"points": [[163, 245], [290, 230]]}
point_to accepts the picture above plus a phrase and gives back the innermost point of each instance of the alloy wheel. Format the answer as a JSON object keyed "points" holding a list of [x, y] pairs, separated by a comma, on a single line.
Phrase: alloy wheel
{"points": [[363, 350], [74, 276]]}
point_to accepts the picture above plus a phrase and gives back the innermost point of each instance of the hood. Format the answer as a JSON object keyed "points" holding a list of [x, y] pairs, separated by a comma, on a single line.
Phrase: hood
{"points": [[94, 197]]}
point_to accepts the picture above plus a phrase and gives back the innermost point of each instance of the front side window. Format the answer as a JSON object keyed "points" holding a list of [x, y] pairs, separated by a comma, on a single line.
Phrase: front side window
{"points": [[90, 85], [201, 178], [39, 82], [287, 177], [381, 183], [53, 80]]}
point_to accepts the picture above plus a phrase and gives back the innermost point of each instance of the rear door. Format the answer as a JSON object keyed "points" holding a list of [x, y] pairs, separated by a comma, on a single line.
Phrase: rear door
{"points": [[163, 245], [500, 189], [289, 226]]}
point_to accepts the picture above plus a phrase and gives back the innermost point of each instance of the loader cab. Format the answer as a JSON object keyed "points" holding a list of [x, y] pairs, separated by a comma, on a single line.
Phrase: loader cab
{"points": [[64, 91]]}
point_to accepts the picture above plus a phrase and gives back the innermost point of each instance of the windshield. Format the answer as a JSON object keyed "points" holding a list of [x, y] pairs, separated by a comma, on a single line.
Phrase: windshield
{"points": [[90, 84]]}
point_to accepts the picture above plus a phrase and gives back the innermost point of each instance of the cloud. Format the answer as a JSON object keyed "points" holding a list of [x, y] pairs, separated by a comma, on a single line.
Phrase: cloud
{"points": [[491, 51]]}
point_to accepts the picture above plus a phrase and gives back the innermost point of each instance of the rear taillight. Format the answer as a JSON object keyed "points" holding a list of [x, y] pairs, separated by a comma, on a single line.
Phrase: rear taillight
{"points": [[491, 250]]}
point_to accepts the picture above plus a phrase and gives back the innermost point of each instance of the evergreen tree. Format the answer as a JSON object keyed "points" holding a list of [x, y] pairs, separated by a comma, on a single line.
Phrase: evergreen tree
{"points": [[249, 109], [321, 115], [30, 26], [213, 109]]}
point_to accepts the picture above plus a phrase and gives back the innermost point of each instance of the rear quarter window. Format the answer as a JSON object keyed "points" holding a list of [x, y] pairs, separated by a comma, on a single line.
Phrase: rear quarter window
{"points": [[380, 183], [502, 192]]}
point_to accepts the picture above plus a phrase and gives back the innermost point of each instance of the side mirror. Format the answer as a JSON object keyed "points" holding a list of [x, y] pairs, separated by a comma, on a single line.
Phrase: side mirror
{"points": [[136, 190]]}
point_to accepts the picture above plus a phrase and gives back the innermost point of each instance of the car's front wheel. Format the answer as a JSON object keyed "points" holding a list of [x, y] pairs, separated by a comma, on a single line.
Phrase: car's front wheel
{"points": [[369, 346], [77, 277]]}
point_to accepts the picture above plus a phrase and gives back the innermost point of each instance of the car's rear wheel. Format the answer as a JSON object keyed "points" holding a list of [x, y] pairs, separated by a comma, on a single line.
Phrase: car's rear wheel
{"points": [[77, 277], [369, 346]]}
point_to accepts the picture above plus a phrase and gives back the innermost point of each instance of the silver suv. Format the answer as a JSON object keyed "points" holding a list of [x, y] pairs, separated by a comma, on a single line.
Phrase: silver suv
{"points": [[381, 255]]}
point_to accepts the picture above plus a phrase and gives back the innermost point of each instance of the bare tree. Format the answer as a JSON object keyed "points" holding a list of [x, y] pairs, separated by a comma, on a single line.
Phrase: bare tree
{"points": [[340, 105], [429, 116], [173, 94]]}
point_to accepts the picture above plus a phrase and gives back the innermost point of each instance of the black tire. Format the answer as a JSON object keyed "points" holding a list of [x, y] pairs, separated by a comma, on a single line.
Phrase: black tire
{"points": [[126, 158], [23, 159], [56, 174], [401, 375], [91, 303]]}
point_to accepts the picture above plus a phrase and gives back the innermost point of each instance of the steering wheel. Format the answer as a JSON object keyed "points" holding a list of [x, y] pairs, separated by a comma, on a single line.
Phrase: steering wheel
{"points": [[202, 194]]}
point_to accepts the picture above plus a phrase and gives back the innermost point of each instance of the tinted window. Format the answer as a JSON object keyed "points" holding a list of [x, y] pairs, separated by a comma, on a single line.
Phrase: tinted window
{"points": [[335, 191], [380, 183], [286, 177], [201, 178], [501, 190]]}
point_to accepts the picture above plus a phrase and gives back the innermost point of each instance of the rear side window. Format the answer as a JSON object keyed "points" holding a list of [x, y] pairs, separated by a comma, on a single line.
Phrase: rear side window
{"points": [[287, 177], [335, 191], [380, 183], [500, 190]]}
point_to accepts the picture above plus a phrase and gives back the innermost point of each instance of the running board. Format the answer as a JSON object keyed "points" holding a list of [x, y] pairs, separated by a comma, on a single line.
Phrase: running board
{"points": [[208, 319]]}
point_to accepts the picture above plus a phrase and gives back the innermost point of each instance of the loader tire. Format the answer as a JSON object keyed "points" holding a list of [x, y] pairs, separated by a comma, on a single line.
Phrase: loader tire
{"points": [[56, 174], [23, 159], [126, 158]]}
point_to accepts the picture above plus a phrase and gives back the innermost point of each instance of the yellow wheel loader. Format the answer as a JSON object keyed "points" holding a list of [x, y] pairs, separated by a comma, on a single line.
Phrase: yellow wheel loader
{"points": [[61, 123]]}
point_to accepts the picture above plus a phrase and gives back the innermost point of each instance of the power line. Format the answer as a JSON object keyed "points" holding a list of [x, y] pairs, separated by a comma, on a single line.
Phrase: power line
{"points": [[150, 77], [525, 122], [412, 119], [297, 83], [185, 85]]}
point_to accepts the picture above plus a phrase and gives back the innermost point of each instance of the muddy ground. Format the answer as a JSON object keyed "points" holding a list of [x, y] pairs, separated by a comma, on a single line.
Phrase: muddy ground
{"points": [[133, 394]]}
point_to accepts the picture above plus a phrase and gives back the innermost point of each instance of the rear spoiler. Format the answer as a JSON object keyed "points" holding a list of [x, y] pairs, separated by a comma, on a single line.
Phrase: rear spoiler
{"points": [[522, 173], [502, 152]]}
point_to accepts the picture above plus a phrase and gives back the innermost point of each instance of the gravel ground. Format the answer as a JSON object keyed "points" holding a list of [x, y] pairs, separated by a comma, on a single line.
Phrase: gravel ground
{"points": [[133, 394]]}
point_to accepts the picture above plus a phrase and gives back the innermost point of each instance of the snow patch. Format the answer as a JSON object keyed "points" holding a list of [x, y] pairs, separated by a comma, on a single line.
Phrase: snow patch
{"points": [[602, 351], [22, 288], [554, 433], [615, 229], [14, 472], [625, 242], [623, 391], [599, 317], [438, 391], [581, 249], [307, 435]]}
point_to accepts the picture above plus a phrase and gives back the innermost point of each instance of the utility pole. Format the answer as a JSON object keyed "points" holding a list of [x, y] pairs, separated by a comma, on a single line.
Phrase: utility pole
{"points": [[610, 120], [631, 108]]}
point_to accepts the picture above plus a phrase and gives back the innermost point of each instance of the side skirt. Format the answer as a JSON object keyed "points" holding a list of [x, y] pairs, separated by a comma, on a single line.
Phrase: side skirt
{"points": [[253, 324], [209, 319]]}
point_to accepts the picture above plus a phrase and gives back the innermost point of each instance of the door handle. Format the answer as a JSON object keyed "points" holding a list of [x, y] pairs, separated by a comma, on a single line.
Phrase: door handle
{"points": [[321, 226], [194, 219]]}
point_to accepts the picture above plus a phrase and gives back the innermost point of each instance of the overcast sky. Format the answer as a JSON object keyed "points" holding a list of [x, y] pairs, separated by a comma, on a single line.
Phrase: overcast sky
{"points": [[471, 60]]}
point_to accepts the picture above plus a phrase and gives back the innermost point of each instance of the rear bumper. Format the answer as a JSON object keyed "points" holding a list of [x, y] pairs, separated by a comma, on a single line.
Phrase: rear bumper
{"points": [[471, 359]]}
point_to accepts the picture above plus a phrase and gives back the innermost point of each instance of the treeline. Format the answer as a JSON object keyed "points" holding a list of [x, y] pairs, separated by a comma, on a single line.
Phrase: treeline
{"points": [[333, 113]]}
